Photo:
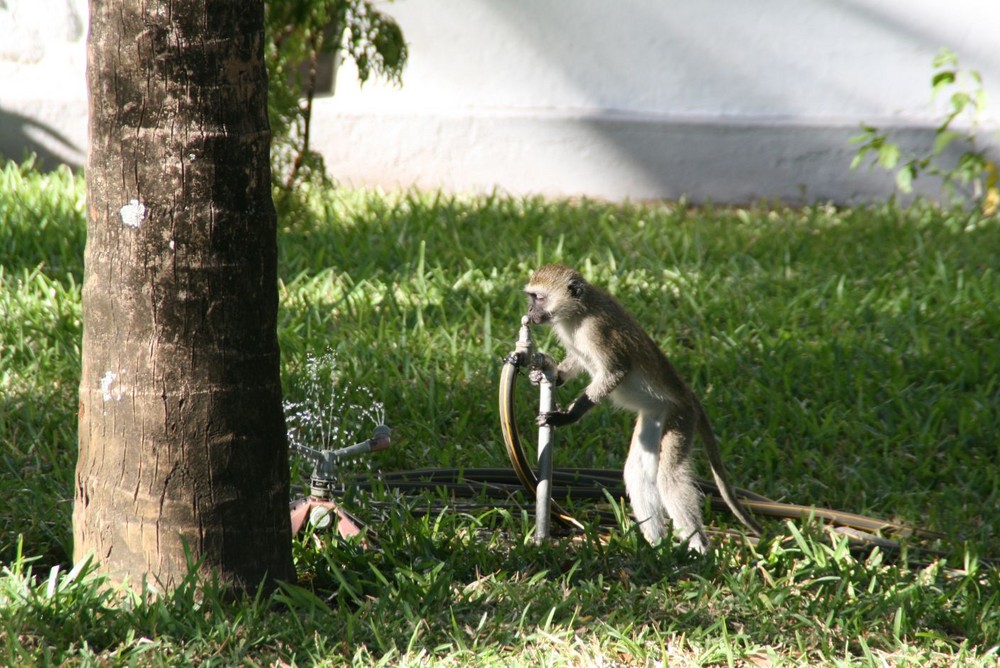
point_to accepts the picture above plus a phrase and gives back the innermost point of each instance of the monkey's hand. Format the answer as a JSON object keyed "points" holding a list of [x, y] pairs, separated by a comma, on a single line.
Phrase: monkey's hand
{"points": [[561, 418], [555, 419], [542, 366]]}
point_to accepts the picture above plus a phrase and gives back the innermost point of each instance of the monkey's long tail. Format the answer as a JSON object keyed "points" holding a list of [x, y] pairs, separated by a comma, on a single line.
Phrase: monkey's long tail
{"points": [[725, 486]]}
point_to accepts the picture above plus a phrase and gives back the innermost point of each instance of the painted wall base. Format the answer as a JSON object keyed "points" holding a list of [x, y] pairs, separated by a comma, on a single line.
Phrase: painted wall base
{"points": [[612, 156]]}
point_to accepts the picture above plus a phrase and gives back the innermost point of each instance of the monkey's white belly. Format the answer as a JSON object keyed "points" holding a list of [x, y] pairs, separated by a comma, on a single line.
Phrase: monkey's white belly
{"points": [[633, 394]]}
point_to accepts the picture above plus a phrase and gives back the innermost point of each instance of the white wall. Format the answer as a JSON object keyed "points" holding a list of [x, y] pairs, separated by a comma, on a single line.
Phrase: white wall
{"points": [[43, 86], [720, 99]]}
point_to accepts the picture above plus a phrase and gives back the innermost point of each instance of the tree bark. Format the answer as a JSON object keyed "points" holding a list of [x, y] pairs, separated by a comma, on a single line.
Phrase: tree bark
{"points": [[183, 451]]}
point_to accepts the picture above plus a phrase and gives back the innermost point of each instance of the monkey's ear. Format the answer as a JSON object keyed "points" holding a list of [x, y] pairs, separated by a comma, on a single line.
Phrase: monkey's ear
{"points": [[576, 286]]}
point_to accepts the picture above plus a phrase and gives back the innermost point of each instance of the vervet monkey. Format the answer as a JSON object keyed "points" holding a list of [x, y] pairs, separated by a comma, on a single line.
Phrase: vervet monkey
{"points": [[625, 365]]}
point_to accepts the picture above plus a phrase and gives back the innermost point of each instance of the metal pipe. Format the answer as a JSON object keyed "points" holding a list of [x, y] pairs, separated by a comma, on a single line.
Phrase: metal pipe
{"points": [[543, 492], [525, 357]]}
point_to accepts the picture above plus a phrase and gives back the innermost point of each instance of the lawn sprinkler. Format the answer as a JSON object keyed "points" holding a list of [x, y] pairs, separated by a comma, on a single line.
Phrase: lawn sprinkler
{"points": [[319, 509]]}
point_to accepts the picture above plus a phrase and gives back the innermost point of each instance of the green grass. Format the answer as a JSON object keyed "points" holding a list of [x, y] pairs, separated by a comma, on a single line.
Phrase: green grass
{"points": [[848, 358]]}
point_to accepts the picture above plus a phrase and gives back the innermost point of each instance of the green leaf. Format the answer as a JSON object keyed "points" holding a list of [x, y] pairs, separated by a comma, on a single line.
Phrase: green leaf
{"points": [[979, 100], [960, 101], [888, 155], [943, 138], [945, 57], [861, 138], [904, 178], [941, 79], [971, 165]]}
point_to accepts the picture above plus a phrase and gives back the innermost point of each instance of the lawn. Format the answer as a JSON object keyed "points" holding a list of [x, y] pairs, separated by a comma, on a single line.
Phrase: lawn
{"points": [[848, 357]]}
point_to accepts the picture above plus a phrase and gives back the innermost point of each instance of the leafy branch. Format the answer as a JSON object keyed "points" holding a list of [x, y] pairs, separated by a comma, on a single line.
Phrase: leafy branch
{"points": [[973, 175], [300, 32]]}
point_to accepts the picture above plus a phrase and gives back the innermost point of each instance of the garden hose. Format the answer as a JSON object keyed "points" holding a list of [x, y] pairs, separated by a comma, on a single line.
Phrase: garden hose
{"points": [[596, 485], [512, 440], [483, 489]]}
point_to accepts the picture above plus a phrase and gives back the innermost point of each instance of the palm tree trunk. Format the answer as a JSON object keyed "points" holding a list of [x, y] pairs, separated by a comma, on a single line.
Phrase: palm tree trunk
{"points": [[183, 451]]}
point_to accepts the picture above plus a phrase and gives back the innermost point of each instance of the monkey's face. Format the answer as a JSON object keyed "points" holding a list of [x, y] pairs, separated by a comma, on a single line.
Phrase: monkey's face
{"points": [[555, 294], [538, 311]]}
